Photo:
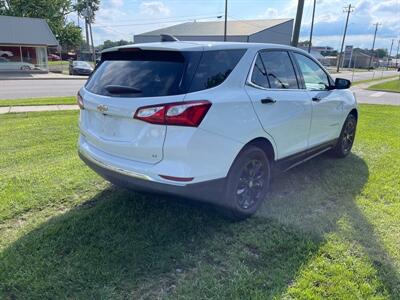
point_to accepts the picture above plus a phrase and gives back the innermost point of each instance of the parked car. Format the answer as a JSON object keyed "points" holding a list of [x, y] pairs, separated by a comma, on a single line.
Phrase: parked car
{"points": [[78, 67], [6, 64], [209, 120], [6, 53], [53, 57]]}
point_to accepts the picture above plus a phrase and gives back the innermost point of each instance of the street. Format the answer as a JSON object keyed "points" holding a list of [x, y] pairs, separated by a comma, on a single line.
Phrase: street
{"points": [[13, 89], [358, 76]]}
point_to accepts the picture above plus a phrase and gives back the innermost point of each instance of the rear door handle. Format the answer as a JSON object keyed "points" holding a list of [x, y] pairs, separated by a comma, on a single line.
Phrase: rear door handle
{"points": [[316, 99], [267, 100]]}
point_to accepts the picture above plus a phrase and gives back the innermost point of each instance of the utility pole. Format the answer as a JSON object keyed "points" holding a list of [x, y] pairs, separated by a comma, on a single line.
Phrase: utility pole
{"points": [[226, 19], [91, 39], [373, 44], [89, 34], [312, 27], [390, 54], [397, 53], [297, 24], [348, 10]]}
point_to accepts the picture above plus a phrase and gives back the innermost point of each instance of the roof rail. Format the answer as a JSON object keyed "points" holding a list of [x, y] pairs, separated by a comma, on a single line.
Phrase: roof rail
{"points": [[168, 38]]}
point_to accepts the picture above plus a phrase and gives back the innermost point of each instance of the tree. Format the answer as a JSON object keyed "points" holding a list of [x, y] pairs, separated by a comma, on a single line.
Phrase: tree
{"points": [[81, 5], [70, 36], [303, 43], [110, 44]]}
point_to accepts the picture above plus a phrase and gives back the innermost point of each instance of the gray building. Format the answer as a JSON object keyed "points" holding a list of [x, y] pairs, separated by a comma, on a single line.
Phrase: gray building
{"points": [[277, 31], [23, 43]]}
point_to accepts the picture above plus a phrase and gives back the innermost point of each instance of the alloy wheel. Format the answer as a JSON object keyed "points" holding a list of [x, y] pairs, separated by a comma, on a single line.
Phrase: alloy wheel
{"points": [[251, 183], [348, 136]]}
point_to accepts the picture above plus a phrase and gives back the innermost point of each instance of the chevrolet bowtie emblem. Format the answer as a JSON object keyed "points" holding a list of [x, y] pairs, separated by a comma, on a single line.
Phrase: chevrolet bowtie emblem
{"points": [[102, 107]]}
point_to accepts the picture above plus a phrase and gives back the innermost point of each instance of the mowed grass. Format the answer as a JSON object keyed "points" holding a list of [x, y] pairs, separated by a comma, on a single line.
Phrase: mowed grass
{"points": [[37, 101], [329, 228], [389, 86], [372, 80]]}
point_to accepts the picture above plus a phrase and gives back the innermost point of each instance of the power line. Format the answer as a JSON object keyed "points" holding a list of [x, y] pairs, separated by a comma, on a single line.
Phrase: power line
{"points": [[347, 10]]}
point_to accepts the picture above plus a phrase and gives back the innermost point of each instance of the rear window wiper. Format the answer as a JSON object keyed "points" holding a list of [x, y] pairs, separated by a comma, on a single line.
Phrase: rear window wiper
{"points": [[121, 89]]}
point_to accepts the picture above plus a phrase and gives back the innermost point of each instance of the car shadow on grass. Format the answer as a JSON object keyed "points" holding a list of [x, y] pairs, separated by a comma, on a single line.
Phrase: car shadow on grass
{"points": [[122, 244]]}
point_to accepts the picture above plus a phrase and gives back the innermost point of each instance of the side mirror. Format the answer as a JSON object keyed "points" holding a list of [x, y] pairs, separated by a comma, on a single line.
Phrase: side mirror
{"points": [[342, 84]]}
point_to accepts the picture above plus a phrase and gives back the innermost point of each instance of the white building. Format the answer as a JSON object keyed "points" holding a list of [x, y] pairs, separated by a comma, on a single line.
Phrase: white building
{"points": [[277, 31]]}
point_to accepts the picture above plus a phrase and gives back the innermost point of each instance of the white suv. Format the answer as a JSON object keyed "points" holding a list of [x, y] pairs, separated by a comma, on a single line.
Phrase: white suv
{"points": [[208, 120]]}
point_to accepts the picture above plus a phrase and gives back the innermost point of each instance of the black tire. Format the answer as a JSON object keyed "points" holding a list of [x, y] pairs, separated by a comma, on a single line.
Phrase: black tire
{"points": [[346, 138], [247, 183]]}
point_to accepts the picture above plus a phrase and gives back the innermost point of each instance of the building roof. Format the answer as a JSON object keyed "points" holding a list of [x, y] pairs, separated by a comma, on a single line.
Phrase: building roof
{"points": [[26, 31], [216, 28]]}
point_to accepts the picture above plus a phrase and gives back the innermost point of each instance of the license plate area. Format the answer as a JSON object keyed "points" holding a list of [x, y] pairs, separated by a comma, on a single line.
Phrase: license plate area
{"points": [[110, 127]]}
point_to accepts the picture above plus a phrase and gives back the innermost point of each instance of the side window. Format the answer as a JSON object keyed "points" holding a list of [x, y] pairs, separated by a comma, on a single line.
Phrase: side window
{"points": [[259, 75], [280, 70], [314, 77], [214, 67]]}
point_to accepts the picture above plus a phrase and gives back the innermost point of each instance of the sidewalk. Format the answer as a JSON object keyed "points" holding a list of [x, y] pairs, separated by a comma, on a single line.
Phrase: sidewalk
{"points": [[38, 76], [36, 108], [366, 85]]}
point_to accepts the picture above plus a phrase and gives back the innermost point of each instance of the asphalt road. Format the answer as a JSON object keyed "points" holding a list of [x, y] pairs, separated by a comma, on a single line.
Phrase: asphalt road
{"points": [[364, 75], [12, 89]]}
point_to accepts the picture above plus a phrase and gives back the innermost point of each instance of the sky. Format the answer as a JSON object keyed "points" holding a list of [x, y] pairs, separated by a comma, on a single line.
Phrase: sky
{"points": [[121, 19]]}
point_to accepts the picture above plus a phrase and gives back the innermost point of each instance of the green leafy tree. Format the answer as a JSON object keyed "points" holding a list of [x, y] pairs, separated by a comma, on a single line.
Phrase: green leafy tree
{"points": [[109, 44], [81, 5], [70, 36]]}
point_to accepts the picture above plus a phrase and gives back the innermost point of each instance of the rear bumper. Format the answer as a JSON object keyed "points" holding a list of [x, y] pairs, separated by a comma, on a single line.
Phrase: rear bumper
{"points": [[211, 191]]}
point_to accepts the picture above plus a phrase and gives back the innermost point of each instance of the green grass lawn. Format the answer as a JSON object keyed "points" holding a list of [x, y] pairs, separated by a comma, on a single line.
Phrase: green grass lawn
{"points": [[390, 86], [37, 101], [378, 78], [329, 228], [58, 62]]}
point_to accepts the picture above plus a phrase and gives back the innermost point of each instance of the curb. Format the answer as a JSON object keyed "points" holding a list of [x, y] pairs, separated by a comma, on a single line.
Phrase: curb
{"points": [[37, 108]]}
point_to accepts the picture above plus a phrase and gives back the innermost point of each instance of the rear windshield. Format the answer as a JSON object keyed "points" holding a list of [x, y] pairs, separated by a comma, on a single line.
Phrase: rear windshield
{"points": [[150, 73]]}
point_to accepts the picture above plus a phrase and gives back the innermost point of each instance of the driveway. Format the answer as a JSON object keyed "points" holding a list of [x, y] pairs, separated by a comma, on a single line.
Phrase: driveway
{"points": [[12, 89]]}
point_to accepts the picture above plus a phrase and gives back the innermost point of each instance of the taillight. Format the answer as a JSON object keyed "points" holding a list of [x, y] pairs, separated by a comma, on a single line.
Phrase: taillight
{"points": [[189, 113], [79, 101]]}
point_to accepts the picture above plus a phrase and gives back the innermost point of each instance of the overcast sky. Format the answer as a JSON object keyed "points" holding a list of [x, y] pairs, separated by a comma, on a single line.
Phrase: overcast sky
{"points": [[121, 19]]}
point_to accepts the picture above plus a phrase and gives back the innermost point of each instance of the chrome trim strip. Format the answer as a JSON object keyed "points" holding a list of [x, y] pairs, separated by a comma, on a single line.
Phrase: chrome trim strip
{"points": [[115, 169]]}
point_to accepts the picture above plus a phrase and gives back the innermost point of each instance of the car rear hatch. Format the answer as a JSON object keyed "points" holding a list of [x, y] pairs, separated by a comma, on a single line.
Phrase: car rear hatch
{"points": [[123, 81]]}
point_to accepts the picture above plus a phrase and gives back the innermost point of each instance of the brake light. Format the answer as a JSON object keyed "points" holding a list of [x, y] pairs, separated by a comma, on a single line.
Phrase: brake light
{"points": [[79, 101], [189, 113]]}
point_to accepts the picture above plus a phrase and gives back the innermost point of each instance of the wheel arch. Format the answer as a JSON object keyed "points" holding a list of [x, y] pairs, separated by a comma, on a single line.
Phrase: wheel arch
{"points": [[265, 145], [354, 112]]}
